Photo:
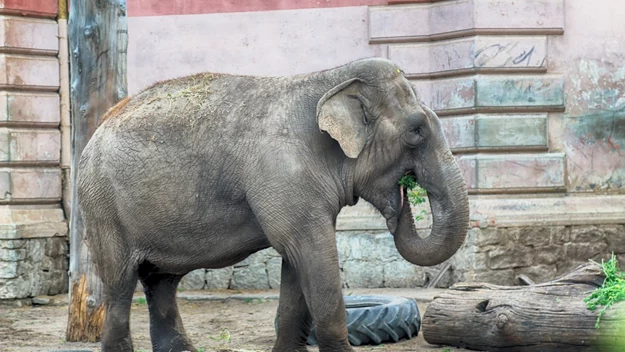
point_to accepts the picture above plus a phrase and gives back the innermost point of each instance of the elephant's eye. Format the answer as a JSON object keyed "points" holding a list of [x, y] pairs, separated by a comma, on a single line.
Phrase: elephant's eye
{"points": [[414, 135]]}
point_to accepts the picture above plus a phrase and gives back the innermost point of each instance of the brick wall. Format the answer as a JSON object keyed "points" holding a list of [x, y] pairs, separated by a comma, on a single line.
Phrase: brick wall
{"points": [[33, 230]]}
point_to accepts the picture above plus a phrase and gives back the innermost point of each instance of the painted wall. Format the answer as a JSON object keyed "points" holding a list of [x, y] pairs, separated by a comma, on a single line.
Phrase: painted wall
{"points": [[33, 229], [530, 93]]}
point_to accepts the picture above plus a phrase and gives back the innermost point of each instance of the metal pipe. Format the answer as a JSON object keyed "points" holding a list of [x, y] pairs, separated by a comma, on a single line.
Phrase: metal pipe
{"points": [[66, 136]]}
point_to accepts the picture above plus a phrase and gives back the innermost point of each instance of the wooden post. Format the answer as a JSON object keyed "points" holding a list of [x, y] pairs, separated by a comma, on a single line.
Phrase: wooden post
{"points": [[98, 39]]}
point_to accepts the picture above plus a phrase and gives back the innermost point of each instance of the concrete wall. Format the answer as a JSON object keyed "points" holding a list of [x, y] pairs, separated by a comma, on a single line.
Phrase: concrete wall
{"points": [[33, 230], [530, 94]]}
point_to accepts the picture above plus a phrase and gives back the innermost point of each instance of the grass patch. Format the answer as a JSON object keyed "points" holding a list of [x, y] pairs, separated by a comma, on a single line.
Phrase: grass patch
{"points": [[611, 291], [416, 194]]}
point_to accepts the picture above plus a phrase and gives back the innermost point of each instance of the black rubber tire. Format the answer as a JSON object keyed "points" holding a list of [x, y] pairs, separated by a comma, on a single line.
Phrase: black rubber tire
{"points": [[372, 320]]}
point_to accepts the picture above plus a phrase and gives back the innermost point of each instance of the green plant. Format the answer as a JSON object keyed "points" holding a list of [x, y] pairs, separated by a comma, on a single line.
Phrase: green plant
{"points": [[223, 339], [611, 291], [416, 194], [141, 300]]}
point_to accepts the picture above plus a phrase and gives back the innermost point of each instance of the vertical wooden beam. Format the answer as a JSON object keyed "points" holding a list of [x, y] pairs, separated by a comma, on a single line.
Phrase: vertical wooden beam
{"points": [[98, 40]]}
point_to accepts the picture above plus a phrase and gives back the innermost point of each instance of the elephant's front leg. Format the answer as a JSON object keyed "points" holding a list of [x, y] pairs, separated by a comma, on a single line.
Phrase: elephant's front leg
{"points": [[317, 266], [294, 319]]}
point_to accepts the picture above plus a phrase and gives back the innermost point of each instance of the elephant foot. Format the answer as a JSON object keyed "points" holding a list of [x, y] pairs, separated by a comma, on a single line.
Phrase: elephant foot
{"points": [[290, 348]]}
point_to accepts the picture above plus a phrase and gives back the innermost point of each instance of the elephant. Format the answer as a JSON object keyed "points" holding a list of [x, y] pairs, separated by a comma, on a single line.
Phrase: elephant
{"points": [[202, 171]]}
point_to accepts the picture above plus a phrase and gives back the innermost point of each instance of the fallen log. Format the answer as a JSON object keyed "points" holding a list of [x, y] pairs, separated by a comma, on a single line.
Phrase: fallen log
{"points": [[550, 316]]}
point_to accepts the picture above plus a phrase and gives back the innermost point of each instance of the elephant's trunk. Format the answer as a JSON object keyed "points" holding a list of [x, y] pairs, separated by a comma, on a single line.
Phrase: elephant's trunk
{"points": [[450, 213]]}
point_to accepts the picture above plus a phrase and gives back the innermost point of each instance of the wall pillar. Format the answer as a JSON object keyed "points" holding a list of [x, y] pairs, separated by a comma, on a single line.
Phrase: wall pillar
{"points": [[33, 230]]}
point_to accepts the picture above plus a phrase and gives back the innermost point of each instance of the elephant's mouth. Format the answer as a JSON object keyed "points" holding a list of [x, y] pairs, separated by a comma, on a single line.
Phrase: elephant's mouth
{"points": [[403, 199]]}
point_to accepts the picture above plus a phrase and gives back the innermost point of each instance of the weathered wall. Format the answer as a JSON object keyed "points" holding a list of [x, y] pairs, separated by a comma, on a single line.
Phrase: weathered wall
{"points": [[33, 230], [494, 255], [530, 93]]}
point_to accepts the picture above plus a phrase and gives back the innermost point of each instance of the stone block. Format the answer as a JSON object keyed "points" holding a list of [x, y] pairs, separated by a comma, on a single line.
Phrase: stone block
{"points": [[219, 278], [56, 247], [510, 52], [12, 255], [532, 236], [363, 274], [510, 14], [522, 91], [26, 184], [587, 234], [8, 270], [539, 273], [460, 132], [32, 72], [195, 280], [388, 22], [31, 35], [401, 274], [615, 235], [29, 145], [511, 131], [515, 171], [39, 8], [274, 269], [506, 258], [498, 277], [560, 235], [450, 19], [450, 94], [549, 254], [424, 59], [472, 53], [31, 222], [11, 244], [252, 276], [384, 247], [490, 236], [582, 252], [30, 109], [468, 166]]}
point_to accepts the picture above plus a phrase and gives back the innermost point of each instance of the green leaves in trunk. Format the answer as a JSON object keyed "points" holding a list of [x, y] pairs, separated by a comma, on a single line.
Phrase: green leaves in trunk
{"points": [[416, 194]]}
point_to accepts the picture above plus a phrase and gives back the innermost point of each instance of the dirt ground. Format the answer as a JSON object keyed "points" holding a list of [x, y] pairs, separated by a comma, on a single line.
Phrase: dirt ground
{"points": [[249, 325]]}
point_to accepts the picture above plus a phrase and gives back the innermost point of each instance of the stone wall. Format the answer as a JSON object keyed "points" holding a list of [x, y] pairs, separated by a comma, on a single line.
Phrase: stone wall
{"points": [[32, 267], [33, 229], [493, 255]]}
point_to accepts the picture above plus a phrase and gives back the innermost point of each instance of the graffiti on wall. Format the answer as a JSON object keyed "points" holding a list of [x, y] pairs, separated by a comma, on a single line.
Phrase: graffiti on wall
{"points": [[594, 126]]}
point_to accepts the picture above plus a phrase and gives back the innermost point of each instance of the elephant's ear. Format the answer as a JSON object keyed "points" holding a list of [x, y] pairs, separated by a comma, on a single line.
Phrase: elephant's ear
{"points": [[340, 114]]}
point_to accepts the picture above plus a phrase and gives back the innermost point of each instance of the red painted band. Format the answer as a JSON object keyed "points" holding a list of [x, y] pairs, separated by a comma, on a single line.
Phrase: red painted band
{"points": [[138, 8], [36, 8]]}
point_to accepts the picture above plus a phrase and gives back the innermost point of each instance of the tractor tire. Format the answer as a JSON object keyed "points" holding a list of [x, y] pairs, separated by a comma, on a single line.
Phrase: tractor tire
{"points": [[372, 320]]}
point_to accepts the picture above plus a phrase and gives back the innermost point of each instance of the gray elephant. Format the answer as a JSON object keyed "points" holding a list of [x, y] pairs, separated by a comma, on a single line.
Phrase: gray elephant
{"points": [[204, 170]]}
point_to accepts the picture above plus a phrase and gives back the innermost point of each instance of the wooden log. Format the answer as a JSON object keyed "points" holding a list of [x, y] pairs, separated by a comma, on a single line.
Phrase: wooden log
{"points": [[551, 316], [98, 40]]}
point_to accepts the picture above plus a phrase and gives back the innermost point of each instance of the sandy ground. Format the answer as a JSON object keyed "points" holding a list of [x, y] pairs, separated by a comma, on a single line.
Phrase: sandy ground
{"points": [[249, 324]]}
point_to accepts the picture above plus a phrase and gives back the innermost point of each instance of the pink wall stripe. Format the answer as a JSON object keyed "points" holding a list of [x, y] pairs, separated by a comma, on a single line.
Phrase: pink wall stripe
{"points": [[138, 8]]}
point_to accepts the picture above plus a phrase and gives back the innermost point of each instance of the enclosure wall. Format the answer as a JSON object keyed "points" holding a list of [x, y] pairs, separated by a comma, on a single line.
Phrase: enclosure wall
{"points": [[33, 230], [531, 94]]}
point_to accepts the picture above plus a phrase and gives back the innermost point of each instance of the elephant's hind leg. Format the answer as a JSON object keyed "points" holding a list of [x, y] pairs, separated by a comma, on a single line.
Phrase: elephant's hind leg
{"points": [[117, 269], [166, 330], [118, 295]]}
